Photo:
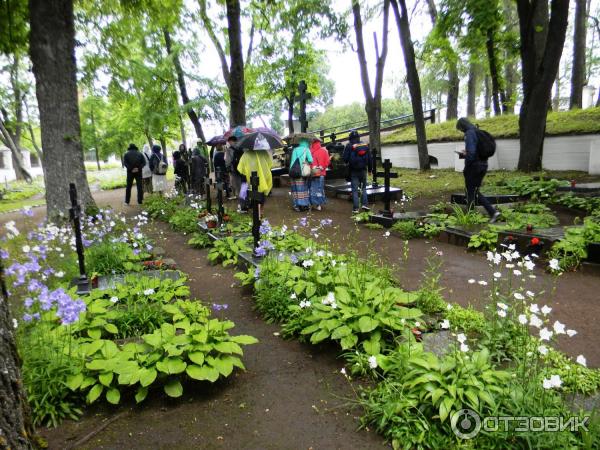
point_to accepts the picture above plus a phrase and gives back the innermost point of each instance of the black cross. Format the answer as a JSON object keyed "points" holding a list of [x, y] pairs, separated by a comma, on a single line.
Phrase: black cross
{"points": [[387, 165], [254, 195], [219, 179], [207, 185], [83, 285], [303, 96]]}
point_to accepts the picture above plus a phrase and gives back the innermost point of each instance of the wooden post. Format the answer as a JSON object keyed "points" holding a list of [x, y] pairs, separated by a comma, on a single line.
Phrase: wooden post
{"points": [[387, 175], [74, 214]]}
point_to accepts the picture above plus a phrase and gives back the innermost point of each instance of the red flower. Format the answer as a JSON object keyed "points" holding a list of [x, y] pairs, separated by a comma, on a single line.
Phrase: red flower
{"points": [[535, 241]]}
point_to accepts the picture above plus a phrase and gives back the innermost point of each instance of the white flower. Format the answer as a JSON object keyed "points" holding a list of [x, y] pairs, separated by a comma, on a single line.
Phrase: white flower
{"points": [[386, 234], [501, 313], [305, 304], [556, 381], [372, 362], [545, 334], [534, 308], [533, 277], [529, 265], [535, 321], [571, 333], [497, 274], [471, 281], [461, 338], [546, 310], [519, 296], [293, 296], [543, 350], [515, 255], [554, 264], [59, 274], [149, 291], [522, 319], [114, 299], [482, 282], [581, 360], [497, 258], [320, 253], [343, 371], [12, 229], [26, 249], [517, 272], [417, 324], [334, 305], [502, 306], [490, 256], [546, 383], [530, 294], [559, 328], [510, 266], [464, 348], [308, 263], [330, 297], [15, 323], [449, 306], [445, 324], [512, 246]]}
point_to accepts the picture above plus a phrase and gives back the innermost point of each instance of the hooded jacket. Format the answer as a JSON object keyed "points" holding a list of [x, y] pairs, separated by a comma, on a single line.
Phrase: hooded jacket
{"points": [[198, 170], [133, 160], [471, 141], [320, 157], [347, 156]]}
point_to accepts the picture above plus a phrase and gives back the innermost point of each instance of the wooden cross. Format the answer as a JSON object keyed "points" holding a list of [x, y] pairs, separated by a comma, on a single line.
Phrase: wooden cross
{"points": [[303, 96], [386, 174]]}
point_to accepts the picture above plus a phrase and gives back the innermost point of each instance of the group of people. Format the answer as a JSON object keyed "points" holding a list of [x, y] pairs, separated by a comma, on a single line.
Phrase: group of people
{"points": [[309, 161]]}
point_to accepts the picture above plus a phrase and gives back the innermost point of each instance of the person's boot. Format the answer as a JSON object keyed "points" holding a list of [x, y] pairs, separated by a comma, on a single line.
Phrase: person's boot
{"points": [[495, 217]]}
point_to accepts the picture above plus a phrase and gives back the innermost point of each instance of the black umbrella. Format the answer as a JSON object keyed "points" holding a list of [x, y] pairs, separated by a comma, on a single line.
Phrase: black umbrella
{"points": [[260, 140], [216, 140]]}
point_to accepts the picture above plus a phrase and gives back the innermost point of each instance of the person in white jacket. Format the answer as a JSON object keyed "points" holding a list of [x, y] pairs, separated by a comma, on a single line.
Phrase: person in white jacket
{"points": [[146, 171]]}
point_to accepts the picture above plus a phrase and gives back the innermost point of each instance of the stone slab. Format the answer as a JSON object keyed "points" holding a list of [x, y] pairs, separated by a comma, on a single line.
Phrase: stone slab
{"points": [[439, 343], [497, 199], [110, 281], [581, 188], [388, 221], [344, 190]]}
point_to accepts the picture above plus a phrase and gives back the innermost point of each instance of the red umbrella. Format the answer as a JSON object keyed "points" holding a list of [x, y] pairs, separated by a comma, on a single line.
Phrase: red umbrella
{"points": [[238, 132]]}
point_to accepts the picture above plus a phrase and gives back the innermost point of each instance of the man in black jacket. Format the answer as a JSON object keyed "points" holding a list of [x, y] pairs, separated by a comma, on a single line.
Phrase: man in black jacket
{"points": [[358, 157], [198, 172], [134, 161]]}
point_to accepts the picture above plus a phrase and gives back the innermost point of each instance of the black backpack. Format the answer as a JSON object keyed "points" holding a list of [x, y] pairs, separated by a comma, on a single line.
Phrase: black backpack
{"points": [[486, 144]]}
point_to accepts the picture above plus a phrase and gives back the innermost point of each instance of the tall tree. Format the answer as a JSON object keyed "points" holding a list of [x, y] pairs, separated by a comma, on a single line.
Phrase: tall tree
{"points": [[412, 78], [185, 98], [451, 59], [372, 99], [52, 49], [237, 93], [472, 90], [579, 49], [15, 419], [542, 41]]}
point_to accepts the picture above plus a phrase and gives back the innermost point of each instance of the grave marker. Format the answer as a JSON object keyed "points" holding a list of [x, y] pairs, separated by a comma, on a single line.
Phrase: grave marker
{"points": [[82, 283], [207, 185], [303, 96], [219, 186], [387, 175], [254, 195]]}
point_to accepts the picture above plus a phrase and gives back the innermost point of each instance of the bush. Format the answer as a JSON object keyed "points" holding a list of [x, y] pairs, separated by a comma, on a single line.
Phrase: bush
{"points": [[108, 257], [407, 229]]}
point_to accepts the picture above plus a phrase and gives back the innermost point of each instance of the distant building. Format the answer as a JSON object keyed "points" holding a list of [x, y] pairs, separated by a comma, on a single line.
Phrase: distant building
{"points": [[7, 172]]}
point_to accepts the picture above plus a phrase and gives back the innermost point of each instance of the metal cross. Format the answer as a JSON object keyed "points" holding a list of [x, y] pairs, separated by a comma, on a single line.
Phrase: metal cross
{"points": [[83, 285], [303, 96], [254, 194], [386, 174]]}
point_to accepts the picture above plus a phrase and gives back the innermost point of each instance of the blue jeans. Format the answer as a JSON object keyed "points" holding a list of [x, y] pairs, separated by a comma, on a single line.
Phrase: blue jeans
{"points": [[358, 180]]}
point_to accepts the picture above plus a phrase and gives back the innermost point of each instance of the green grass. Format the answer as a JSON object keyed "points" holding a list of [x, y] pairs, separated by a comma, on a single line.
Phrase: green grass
{"points": [[434, 183], [14, 205], [93, 167], [585, 121]]}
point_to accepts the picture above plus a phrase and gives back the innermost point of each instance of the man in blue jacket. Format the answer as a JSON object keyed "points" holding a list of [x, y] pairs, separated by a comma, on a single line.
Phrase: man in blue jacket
{"points": [[475, 169], [358, 157]]}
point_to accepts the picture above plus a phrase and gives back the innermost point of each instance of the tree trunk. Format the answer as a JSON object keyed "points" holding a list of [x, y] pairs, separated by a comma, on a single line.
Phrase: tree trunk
{"points": [[237, 96], [163, 144], [18, 164], [15, 420], [579, 48], [511, 84], [453, 91], [52, 48], [472, 91], [372, 100], [182, 131], [96, 150], [185, 99], [556, 99], [494, 75], [412, 78], [487, 96], [540, 58], [290, 104]]}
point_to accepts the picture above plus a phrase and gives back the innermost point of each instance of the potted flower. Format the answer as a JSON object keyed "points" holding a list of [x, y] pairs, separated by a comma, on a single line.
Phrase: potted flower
{"points": [[211, 221]]}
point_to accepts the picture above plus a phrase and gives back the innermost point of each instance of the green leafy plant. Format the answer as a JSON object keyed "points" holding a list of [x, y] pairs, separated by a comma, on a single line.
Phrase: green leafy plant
{"points": [[374, 226], [200, 240], [159, 207], [486, 239], [407, 229], [467, 320], [107, 257], [572, 249], [226, 250], [184, 220]]}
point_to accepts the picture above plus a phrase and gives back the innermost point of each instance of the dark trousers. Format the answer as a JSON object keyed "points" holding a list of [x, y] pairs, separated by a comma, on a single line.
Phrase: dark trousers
{"points": [[473, 178], [358, 182], [138, 183]]}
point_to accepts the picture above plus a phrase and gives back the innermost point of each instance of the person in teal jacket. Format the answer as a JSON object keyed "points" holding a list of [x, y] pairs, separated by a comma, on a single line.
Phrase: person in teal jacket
{"points": [[299, 186]]}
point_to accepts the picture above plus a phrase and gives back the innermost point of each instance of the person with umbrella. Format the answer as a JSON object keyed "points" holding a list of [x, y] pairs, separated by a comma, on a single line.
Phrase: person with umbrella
{"points": [[257, 159]]}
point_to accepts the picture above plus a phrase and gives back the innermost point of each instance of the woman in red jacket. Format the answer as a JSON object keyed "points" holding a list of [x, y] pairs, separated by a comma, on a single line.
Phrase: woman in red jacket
{"points": [[321, 161]]}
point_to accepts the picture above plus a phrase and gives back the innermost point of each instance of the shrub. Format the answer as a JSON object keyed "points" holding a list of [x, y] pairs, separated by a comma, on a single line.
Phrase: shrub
{"points": [[407, 229], [108, 257]]}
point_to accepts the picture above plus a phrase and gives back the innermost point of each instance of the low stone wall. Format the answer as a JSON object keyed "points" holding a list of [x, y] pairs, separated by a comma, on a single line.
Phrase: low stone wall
{"points": [[560, 153]]}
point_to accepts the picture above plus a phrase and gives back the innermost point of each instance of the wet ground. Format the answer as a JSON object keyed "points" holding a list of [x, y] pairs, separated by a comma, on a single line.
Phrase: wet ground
{"points": [[292, 396]]}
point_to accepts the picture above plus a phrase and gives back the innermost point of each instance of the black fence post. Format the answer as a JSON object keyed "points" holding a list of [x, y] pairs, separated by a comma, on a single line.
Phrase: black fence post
{"points": [[220, 210]]}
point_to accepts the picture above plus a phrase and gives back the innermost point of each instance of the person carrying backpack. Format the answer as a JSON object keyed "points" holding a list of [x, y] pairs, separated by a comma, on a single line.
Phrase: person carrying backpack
{"points": [[358, 157], [146, 171], [134, 162], [159, 166], [479, 146], [299, 173]]}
